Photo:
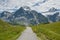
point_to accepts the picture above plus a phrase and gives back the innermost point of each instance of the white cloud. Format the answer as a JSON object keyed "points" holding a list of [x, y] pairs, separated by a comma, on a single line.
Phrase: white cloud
{"points": [[18, 3]]}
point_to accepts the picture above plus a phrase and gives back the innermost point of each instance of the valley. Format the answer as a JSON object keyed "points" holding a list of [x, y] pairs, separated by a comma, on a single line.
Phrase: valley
{"points": [[49, 31], [28, 24]]}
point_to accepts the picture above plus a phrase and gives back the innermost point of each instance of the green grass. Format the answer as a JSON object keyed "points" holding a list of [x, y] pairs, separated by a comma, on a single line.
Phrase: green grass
{"points": [[50, 31], [10, 32]]}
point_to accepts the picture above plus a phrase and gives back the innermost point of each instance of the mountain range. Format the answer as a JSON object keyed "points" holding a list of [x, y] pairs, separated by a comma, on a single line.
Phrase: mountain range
{"points": [[24, 15]]}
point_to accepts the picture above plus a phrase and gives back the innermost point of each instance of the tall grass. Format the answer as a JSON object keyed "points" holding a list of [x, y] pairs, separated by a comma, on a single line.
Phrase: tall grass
{"points": [[51, 31], [10, 32]]}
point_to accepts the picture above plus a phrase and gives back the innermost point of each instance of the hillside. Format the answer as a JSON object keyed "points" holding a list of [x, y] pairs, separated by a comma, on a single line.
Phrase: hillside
{"points": [[48, 31], [9, 32]]}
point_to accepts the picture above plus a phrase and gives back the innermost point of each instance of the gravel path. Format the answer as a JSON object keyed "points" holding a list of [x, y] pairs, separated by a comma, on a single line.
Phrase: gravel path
{"points": [[28, 34]]}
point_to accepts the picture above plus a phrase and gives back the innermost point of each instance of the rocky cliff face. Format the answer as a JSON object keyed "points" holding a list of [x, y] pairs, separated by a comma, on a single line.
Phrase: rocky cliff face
{"points": [[24, 15]]}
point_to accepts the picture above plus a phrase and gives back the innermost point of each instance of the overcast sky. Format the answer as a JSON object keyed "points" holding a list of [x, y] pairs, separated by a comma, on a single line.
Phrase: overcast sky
{"points": [[11, 4]]}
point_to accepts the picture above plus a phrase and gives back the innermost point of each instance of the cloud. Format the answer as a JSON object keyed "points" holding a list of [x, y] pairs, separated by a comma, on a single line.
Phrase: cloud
{"points": [[11, 4]]}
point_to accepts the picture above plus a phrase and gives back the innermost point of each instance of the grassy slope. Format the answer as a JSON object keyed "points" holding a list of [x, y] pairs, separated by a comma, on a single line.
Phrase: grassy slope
{"points": [[51, 31], [9, 32]]}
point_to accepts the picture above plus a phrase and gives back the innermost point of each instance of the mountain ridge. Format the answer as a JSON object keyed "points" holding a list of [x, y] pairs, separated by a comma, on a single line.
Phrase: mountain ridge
{"points": [[26, 15]]}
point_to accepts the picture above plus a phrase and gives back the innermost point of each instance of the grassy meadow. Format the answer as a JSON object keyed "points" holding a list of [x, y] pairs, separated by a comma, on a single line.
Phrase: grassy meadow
{"points": [[48, 31], [10, 32]]}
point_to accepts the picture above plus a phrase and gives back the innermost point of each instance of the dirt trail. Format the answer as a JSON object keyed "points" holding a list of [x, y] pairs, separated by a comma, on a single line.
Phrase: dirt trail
{"points": [[28, 34]]}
